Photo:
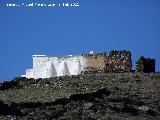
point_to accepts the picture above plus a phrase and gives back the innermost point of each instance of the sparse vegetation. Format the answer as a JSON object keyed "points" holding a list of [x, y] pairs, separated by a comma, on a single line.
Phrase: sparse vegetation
{"points": [[122, 96]]}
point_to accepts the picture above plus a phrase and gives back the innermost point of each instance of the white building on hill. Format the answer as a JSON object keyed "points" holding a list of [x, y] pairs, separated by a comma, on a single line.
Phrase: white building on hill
{"points": [[46, 66]]}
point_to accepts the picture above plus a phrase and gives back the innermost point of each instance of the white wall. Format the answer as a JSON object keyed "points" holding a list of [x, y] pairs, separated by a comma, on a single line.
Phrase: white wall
{"points": [[29, 73], [46, 67], [39, 66]]}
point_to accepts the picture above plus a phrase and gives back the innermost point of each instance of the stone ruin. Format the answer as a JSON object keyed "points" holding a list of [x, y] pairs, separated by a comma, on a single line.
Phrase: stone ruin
{"points": [[115, 61], [145, 65], [119, 61]]}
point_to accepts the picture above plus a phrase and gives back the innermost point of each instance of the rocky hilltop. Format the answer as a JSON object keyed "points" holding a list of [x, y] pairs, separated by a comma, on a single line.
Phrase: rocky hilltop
{"points": [[103, 96]]}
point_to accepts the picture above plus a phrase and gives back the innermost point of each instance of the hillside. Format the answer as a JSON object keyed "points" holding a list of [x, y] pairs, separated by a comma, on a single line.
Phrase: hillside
{"points": [[122, 96]]}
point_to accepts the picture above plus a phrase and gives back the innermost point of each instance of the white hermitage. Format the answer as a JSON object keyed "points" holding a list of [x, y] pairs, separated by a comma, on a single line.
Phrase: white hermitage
{"points": [[48, 66]]}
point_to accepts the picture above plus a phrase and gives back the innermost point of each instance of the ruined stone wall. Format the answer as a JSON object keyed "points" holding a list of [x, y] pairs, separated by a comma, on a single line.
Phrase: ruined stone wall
{"points": [[115, 61], [145, 65], [118, 61], [97, 62]]}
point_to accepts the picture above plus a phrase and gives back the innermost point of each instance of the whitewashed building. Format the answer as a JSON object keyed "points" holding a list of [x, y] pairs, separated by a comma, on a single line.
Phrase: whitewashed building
{"points": [[47, 66]]}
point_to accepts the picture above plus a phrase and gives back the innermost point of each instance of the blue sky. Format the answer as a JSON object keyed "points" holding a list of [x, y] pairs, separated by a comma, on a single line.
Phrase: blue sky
{"points": [[99, 25]]}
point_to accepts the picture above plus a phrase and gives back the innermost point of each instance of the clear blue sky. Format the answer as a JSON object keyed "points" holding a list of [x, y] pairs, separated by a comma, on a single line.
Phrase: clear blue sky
{"points": [[99, 25]]}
